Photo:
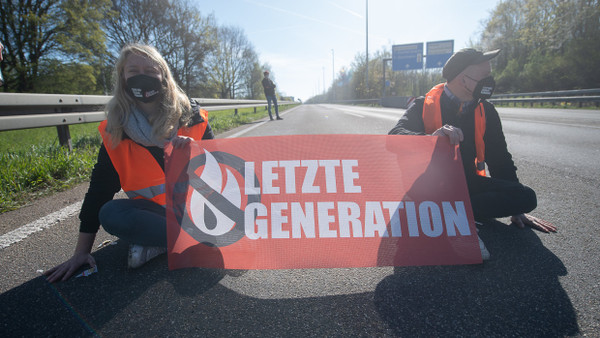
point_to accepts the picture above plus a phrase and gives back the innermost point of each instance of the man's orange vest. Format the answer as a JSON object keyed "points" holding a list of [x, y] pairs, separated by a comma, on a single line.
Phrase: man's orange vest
{"points": [[140, 175], [432, 119]]}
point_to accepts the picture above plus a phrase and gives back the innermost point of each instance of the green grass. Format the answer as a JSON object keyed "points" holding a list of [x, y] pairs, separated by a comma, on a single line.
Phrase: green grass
{"points": [[33, 164]]}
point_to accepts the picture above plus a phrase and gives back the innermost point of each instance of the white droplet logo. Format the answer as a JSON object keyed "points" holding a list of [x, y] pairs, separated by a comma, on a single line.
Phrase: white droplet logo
{"points": [[206, 216]]}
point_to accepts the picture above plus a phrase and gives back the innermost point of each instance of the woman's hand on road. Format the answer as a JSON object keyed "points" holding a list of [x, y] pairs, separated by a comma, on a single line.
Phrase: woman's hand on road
{"points": [[65, 270]]}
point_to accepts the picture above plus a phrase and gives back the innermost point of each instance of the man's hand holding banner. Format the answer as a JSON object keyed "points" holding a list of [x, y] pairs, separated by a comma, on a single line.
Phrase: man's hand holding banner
{"points": [[318, 201]]}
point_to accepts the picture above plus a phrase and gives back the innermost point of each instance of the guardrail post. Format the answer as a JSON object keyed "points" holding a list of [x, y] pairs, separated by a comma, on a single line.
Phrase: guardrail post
{"points": [[64, 136]]}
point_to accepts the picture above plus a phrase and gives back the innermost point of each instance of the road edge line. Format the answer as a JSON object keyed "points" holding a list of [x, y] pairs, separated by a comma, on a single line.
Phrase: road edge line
{"points": [[40, 224]]}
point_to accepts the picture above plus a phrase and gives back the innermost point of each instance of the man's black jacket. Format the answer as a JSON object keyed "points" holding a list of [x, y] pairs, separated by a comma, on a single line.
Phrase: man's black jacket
{"points": [[498, 160]]}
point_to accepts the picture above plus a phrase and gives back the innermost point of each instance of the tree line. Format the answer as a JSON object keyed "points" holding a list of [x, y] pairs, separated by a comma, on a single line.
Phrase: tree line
{"points": [[70, 46], [546, 45]]}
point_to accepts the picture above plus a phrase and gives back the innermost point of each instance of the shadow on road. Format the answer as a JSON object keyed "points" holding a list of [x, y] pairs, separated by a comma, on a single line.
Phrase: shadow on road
{"points": [[152, 301], [516, 293], [79, 306]]}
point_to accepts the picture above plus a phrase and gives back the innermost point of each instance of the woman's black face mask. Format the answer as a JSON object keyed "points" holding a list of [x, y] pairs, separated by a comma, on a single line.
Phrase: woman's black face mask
{"points": [[484, 88], [144, 88]]}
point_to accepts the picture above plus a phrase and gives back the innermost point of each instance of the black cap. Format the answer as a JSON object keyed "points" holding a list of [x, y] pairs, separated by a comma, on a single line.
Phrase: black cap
{"points": [[464, 58]]}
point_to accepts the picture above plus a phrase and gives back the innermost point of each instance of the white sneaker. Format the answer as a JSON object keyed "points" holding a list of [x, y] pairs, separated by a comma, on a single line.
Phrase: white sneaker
{"points": [[485, 254], [138, 255]]}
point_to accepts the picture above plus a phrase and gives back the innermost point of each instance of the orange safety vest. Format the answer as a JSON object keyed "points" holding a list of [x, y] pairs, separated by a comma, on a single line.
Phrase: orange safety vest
{"points": [[139, 173], [432, 119]]}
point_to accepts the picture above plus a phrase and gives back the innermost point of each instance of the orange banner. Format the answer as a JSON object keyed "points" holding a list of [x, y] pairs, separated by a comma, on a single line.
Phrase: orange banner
{"points": [[318, 201]]}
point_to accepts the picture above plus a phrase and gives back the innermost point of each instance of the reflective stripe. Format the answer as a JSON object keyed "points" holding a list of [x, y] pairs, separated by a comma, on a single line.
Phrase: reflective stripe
{"points": [[138, 169], [147, 193], [479, 142]]}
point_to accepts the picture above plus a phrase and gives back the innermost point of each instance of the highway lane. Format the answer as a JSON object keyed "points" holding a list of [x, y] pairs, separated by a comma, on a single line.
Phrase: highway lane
{"points": [[535, 284], [562, 139], [329, 119]]}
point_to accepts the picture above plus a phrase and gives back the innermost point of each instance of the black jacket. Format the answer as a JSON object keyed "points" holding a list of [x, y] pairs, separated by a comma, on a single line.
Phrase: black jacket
{"points": [[268, 86], [498, 160], [105, 183]]}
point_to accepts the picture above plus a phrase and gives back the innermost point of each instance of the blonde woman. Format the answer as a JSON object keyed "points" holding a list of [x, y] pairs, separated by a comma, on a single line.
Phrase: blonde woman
{"points": [[147, 111]]}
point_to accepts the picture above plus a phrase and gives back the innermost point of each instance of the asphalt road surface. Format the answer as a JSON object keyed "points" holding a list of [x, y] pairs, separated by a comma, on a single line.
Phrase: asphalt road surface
{"points": [[535, 285]]}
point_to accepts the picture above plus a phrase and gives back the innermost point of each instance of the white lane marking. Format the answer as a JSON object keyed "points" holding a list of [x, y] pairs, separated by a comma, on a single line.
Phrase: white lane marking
{"points": [[246, 130], [258, 124], [349, 113], [382, 116], [45, 222], [386, 114]]}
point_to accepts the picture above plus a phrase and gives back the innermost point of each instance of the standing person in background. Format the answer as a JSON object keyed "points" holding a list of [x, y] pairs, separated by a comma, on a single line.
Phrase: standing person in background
{"points": [[147, 111], [269, 88]]}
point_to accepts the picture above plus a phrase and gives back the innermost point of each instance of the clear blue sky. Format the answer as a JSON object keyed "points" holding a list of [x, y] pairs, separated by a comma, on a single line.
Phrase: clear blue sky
{"points": [[296, 37]]}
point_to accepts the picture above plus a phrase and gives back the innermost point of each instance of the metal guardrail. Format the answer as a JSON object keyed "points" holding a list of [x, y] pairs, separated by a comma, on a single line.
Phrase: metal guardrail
{"points": [[579, 96], [576, 92], [553, 100], [25, 111]]}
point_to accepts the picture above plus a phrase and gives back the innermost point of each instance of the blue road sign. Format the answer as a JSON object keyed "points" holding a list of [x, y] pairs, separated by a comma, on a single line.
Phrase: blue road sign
{"points": [[438, 52], [406, 57]]}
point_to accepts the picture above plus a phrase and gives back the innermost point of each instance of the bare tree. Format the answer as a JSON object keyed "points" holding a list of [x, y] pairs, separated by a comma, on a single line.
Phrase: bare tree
{"points": [[175, 28], [254, 89], [192, 40], [231, 62]]}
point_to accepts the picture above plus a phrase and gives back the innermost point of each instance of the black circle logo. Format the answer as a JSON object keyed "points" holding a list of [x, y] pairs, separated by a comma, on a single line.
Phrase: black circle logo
{"points": [[214, 212]]}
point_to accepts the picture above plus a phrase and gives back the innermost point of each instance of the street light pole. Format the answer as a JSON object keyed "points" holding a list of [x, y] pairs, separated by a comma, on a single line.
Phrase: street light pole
{"points": [[324, 86], [367, 47], [332, 76]]}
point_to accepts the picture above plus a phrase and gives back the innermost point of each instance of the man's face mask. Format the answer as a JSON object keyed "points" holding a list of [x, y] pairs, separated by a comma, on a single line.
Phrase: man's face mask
{"points": [[484, 88], [144, 88]]}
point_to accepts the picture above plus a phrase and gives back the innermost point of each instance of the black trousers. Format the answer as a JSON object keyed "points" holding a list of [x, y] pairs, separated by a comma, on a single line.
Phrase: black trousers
{"points": [[495, 198]]}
